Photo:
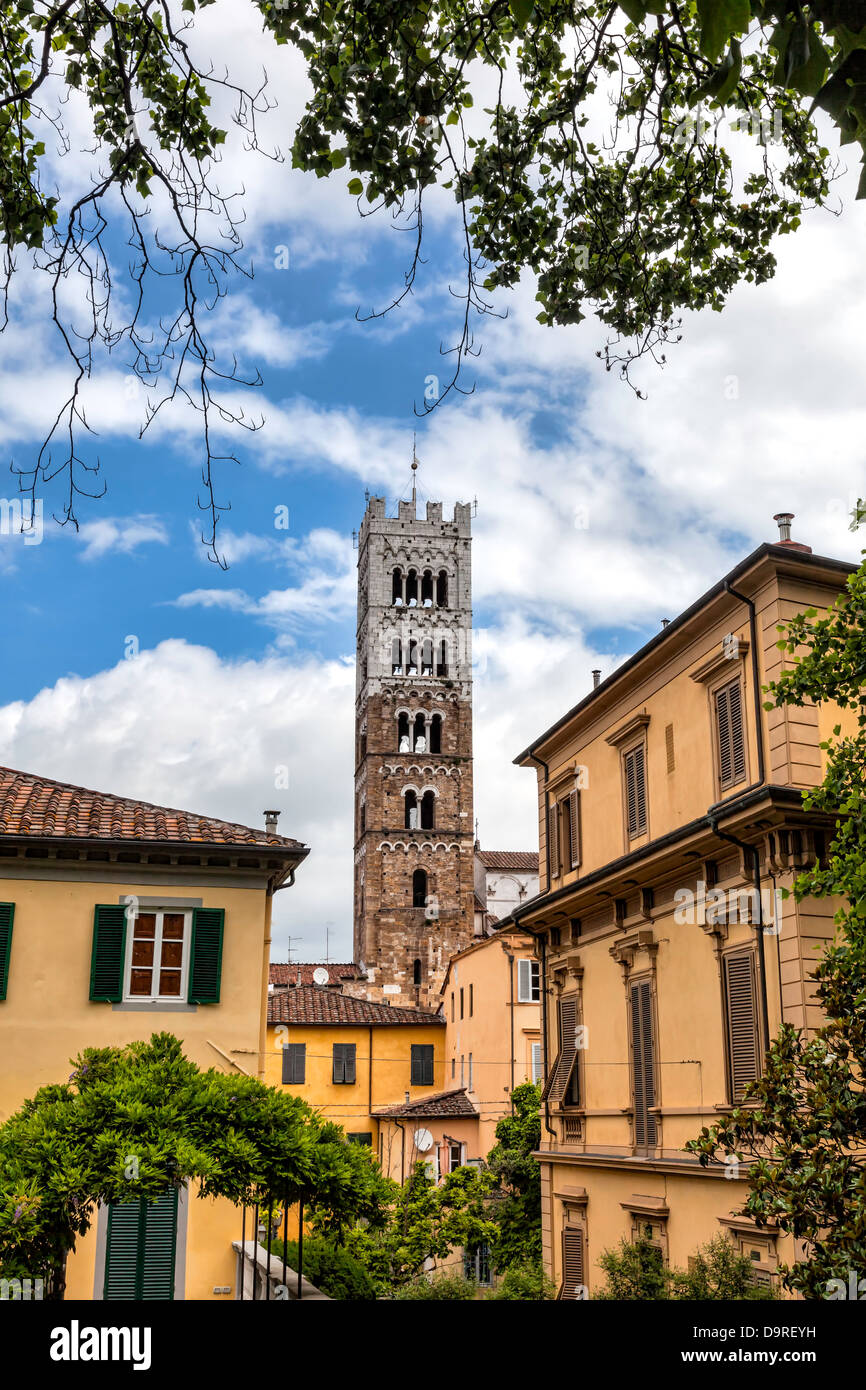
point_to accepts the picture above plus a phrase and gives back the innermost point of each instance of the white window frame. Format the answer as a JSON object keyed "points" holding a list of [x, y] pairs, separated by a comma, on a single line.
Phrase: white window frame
{"points": [[456, 1144], [158, 913], [536, 1063], [528, 981]]}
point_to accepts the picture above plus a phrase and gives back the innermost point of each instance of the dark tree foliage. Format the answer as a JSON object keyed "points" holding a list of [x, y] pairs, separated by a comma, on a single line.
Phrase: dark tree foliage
{"points": [[585, 146], [803, 1128], [518, 1209]]}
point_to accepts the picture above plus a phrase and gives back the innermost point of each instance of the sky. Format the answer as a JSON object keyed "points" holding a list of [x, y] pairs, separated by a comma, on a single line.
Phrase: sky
{"points": [[133, 664]]}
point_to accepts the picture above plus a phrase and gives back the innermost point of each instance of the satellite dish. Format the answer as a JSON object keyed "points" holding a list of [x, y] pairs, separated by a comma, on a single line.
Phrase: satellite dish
{"points": [[320, 975], [423, 1140]]}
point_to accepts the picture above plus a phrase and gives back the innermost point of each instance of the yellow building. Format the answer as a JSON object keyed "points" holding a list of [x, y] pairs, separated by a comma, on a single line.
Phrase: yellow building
{"points": [[348, 1056], [490, 997], [119, 919], [670, 812]]}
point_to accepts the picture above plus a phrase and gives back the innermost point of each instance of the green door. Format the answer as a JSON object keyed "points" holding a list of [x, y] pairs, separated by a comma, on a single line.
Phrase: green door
{"points": [[140, 1249]]}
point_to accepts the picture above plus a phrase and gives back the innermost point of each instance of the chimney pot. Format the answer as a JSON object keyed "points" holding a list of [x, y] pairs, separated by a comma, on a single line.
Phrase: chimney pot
{"points": [[596, 678], [783, 520], [271, 818], [665, 622]]}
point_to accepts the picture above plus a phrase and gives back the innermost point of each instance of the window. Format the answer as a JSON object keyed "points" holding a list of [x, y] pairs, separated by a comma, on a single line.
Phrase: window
{"points": [[396, 657], [442, 589], [741, 1021], [453, 1059], [470, 1071], [7, 912], [643, 1063], [426, 659], [428, 813], [461, 1003], [416, 973], [537, 1063], [364, 1137], [528, 982], [427, 589], [362, 817], [419, 888], [442, 658], [455, 1155], [563, 1081], [729, 732], [419, 736], [635, 791], [669, 747], [140, 1249], [157, 952], [294, 1064], [421, 1072], [573, 1287], [344, 1064], [397, 587], [452, 1006], [571, 822], [462, 1071], [412, 588], [436, 734], [403, 745], [471, 999], [476, 1264], [410, 811]]}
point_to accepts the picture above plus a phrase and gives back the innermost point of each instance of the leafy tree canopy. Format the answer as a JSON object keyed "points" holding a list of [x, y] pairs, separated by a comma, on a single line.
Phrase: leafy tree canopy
{"points": [[136, 1120], [803, 1128], [636, 1272], [518, 1211], [583, 145]]}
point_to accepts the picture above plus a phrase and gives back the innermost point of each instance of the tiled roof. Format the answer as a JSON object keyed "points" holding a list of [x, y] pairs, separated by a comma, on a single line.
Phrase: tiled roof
{"points": [[309, 1004], [525, 861], [42, 808], [445, 1103], [283, 974]]}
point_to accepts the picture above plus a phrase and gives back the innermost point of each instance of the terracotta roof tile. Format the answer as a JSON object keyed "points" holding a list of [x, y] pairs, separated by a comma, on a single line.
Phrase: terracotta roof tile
{"points": [[309, 1004], [45, 809], [283, 974], [444, 1103], [525, 861]]}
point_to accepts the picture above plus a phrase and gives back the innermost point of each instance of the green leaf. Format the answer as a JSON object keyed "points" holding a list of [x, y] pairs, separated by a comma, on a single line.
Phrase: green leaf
{"points": [[720, 20], [356, 188], [521, 10]]}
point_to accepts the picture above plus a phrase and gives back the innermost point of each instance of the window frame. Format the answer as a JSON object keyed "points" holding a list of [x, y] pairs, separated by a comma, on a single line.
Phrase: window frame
{"points": [[421, 1063], [716, 689], [350, 1052], [628, 754], [534, 995], [186, 956]]}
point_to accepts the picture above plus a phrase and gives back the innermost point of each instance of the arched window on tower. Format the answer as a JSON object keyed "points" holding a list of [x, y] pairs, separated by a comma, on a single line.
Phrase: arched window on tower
{"points": [[427, 589], [428, 811], [410, 818], [436, 734], [419, 888], [397, 586], [413, 657], [403, 745], [416, 973], [442, 589], [427, 657], [396, 657], [419, 737], [412, 588], [442, 658]]}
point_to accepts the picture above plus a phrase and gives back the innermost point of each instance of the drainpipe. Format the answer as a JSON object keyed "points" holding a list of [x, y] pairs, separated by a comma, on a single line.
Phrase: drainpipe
{"points": [[370, 1075], [547, 1126], [543, 764], [402, 1150], [759, 924], [511, 1009]]}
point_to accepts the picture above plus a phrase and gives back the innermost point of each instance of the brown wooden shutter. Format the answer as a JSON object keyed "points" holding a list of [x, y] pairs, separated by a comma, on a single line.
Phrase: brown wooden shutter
{"points": [[643, 1063], [565, 1062], [574, 827], [741, 1010], [553, 840], [572, 1264], [729, 724], [635, 790], [669, 747]]}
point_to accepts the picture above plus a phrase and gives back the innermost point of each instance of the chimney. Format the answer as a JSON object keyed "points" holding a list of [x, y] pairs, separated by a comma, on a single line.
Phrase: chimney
{"points": [[596, 678], [407, 1097], [665, 622], [783, 521], [271, 818]]}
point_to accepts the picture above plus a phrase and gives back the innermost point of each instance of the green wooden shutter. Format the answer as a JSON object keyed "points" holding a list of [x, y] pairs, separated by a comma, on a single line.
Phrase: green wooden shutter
{"points": [[421, 1072], [141, 1246], [294, 1064], [574, 828], [564, 1065], [553, 841], [206, 955], [108, 953], [339, 1064], [349, 1064], [572, 1264], [7, 913]]}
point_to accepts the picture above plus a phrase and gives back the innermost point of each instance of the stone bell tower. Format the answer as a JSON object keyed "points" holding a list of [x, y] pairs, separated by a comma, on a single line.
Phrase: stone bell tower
{"points": [[414, 889]]}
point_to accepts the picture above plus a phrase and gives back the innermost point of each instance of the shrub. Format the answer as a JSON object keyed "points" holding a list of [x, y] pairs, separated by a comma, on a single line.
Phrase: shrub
{"points": [[331, 1268], [452, 1286], [526, 1283]]}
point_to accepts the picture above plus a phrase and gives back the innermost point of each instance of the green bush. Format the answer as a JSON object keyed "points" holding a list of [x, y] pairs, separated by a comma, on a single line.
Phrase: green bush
{"points": [[331, 1268], [452, 1286], [637, 1272], [526, 1283]]}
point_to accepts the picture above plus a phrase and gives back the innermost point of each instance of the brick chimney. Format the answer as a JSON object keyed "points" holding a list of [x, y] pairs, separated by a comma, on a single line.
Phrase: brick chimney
{"points": [[783, 521]]}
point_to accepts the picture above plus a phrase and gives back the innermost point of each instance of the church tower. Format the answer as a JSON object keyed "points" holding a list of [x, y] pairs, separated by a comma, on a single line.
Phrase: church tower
{"points": [[414, 889]]}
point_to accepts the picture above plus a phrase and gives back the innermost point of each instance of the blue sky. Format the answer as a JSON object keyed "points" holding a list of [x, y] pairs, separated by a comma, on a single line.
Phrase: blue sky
{"points": [[598, 514]]}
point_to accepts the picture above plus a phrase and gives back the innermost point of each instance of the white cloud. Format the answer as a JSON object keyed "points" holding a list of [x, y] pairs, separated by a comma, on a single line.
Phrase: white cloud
{"points": [[107, 535]]}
